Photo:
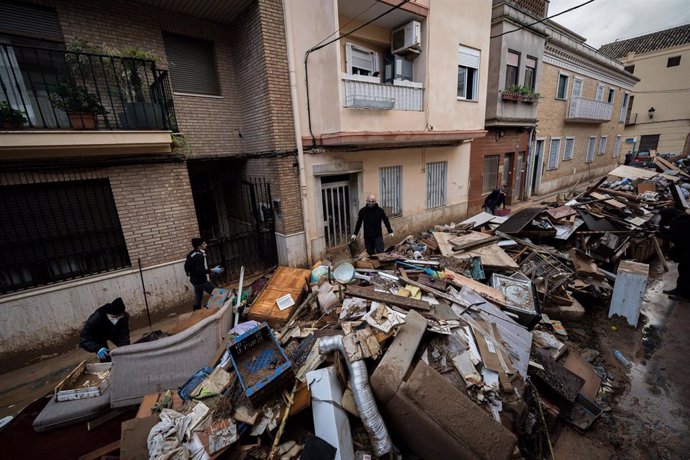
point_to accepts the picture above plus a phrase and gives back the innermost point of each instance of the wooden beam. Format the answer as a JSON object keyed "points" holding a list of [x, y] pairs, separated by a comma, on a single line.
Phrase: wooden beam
{"points": [[383, 297], [475, 244], [660, 254], [101, 451]]}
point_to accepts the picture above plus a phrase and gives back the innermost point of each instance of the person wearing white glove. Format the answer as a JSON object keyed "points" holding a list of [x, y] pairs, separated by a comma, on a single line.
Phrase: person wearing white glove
{"points": [[195, 267], [108, 323], [372, 216]]}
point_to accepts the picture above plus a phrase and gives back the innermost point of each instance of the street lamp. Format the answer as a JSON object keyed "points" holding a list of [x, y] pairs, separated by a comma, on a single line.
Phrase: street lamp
{"points": [[651, 112]]}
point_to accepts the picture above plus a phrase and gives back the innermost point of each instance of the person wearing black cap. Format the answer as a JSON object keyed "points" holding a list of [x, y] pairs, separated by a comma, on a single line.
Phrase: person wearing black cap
{"points": [[109, 322], [195, 267]]}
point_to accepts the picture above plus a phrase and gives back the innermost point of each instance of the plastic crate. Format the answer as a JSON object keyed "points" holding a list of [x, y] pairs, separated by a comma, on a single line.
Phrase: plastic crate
{"points": [[260, 363]]}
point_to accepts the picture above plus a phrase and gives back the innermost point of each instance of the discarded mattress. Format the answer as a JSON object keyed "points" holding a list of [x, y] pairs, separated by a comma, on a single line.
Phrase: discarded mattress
{"points": [[58, 414]]}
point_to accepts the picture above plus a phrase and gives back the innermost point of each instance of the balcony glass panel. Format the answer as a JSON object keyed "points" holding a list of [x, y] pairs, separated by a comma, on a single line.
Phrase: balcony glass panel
{"points": [[589, 110], [378, 96]]}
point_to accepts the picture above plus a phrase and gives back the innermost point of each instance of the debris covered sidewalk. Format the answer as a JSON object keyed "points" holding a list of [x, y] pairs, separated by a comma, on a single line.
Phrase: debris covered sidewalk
{"points": [[451, 344]]}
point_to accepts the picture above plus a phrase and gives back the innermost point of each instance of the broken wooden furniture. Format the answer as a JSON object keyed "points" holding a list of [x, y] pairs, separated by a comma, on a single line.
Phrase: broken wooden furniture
{"points": [[285, 281]]}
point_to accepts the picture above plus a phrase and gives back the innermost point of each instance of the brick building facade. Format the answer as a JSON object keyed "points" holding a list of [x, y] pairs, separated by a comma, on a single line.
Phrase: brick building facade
{"points": [[242, 133]]}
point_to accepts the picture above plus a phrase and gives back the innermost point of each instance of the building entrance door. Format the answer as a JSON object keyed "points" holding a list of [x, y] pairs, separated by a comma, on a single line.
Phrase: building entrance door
{"points": [[517, 192], [335, 198], [507, 180]]}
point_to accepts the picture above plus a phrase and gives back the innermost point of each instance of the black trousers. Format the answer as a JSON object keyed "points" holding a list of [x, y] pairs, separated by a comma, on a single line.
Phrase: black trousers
{"points": [[683, 282], [373, 245]]}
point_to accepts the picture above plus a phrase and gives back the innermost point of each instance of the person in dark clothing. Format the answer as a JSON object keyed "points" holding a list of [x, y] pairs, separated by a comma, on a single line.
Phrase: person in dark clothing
{"points": [[109, 322], [372, 215], [674, 227], [494, 200], [195, 267]]}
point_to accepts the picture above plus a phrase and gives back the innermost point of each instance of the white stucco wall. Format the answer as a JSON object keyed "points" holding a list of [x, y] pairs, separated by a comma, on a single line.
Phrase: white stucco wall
{"points": [[48, 317]]}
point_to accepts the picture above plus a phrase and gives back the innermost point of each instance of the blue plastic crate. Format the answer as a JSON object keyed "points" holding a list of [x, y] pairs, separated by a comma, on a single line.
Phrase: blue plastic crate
{"points": [[260, 363]]}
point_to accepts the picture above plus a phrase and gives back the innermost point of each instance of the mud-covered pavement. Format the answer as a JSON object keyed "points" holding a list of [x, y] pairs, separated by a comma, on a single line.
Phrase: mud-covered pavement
{"points": [[648, 405]]}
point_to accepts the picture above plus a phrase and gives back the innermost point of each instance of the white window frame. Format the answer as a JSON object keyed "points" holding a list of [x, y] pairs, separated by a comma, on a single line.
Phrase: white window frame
{"points": [[603, 140], [474, 53], [569, 155], [624, 107], [582, 87], [391, 198], [436, 194], [591, 147], [567, 85], [599, 96], [374, 62], [617, 146], [556, 156]]}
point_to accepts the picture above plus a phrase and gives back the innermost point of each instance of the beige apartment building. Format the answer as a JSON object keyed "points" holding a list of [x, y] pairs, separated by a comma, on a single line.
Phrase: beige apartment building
{"points": [[390, 109], [581, 113], [658, 116]]}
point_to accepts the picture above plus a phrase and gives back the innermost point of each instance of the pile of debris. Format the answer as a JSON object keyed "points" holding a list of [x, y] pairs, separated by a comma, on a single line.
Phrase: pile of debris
{"points": [[449, 345]]}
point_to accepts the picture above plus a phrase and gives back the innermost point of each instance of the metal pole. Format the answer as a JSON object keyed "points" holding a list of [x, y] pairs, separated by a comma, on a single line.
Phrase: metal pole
{"points": [[239, 296], [146, 300]]}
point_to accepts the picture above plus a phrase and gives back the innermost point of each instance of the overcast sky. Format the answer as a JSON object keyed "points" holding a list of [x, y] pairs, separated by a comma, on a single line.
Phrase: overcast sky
{"points": [[604, 21]]}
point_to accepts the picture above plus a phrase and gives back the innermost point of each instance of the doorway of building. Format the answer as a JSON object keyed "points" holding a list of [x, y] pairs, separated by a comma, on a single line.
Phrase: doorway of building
{"points": [[507, 179], [537, 166], [335, 201], [517, 190], [235, 215]]}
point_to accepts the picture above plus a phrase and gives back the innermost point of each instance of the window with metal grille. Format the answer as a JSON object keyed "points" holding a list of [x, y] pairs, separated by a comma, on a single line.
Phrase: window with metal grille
{"points": [[649, 142], [390, 190], [673, 61], [602, 145], [490, 176], [590, 149], [436, 178], [569, 148], [192, 64], [554, 150], [617, 146], [57, 231]]}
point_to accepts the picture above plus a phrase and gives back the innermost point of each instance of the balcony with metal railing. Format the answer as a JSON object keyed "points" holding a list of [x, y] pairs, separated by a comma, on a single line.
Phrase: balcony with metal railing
{"points": [[362, 94], [584, 110], [56, 89]]}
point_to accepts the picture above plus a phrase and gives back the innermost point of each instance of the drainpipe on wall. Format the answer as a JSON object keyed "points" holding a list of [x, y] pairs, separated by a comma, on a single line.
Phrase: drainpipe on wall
{"points": [[298, 128]]}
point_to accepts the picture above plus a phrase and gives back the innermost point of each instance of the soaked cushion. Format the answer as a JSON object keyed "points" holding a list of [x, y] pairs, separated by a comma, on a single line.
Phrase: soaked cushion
{"points": [[59, 414]]}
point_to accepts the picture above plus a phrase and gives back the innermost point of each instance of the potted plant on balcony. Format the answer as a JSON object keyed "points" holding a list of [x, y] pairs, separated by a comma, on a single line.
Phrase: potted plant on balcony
{"points": [[11, 118], [140, 111], [511, 94], [81, 107]]}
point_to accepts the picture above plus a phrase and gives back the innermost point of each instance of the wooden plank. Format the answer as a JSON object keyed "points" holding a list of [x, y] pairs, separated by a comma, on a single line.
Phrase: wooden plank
{"points": [[285, 280], [584, 265], [646, 187], [578, 366], [474, 244], [390, 299], [668, 165], [660, 254], [611, 202], [101, 451], [443, 241], [483, 290], [629, 172], [492, 256], [561, 212]]}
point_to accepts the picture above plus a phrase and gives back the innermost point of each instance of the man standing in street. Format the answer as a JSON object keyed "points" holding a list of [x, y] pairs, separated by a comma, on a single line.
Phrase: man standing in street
{"points": [[674, 227], [109, 322], [195, 267], [372, 215]]}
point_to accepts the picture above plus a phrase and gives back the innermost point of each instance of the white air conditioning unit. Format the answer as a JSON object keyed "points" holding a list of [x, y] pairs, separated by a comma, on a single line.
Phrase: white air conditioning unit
{"points": [[407, 39]]}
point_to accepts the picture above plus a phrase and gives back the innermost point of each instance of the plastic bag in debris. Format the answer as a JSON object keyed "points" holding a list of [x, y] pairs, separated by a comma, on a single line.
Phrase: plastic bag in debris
{"points": [[170, 439]]}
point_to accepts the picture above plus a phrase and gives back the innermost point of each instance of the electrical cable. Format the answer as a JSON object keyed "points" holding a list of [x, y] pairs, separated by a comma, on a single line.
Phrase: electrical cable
{"points": [[542, 20], [348, 23], [323, 45]]}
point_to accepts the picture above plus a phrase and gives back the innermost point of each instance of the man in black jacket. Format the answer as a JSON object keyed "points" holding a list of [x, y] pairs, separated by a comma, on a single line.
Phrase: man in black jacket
{"points": [[674, 227], [195, 267], [109, 322], [372, 215]]}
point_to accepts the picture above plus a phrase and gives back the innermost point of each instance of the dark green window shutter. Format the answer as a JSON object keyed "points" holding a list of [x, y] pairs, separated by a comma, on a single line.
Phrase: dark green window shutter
{"points": [[192, 64], [30, 21]]}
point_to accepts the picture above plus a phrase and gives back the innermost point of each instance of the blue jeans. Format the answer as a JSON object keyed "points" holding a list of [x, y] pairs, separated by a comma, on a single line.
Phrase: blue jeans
{"points": [[199, 292]]}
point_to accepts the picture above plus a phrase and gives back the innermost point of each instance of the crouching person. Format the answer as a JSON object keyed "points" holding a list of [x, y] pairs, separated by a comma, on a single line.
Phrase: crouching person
{"points": [[108, 323]]}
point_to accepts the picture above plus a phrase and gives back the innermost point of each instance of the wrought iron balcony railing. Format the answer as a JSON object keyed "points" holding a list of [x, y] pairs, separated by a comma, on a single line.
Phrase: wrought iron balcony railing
{"points": [[43, 88]]}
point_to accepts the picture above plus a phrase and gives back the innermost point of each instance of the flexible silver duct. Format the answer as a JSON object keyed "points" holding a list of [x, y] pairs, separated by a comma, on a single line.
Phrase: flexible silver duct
{"points": [[364, 398]]}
